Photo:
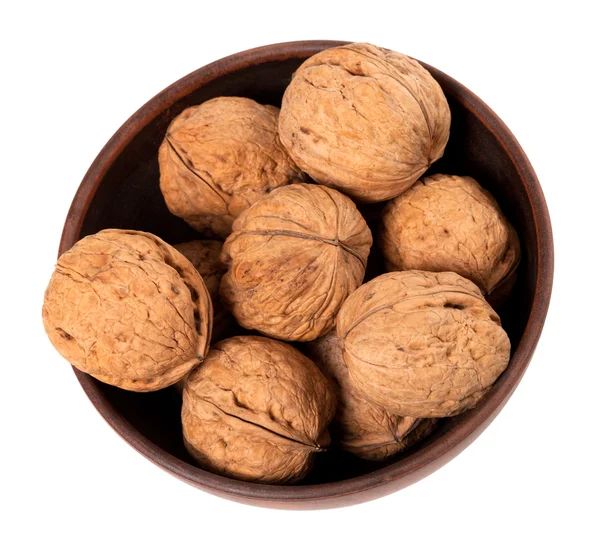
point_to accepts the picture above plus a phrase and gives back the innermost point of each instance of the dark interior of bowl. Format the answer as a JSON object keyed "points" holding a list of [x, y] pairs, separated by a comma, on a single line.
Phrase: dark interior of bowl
{"points": [[129, 197]]}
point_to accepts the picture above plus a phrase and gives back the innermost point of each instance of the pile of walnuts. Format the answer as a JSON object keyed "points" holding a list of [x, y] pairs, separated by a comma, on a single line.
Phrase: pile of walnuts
{"points": [[324, 359]]}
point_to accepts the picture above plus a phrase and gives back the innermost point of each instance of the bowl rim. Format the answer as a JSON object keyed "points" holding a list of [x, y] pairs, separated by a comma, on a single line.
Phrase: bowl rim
{"points": [[412, 467]]}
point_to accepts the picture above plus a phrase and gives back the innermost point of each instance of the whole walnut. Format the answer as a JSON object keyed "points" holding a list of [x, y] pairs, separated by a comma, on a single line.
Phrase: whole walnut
{"points": [[205, 255], [128, 309], [257, 409], [364, 428], [422, 344], [365, 120], [450, 223], [293, 259], [218, 158]]}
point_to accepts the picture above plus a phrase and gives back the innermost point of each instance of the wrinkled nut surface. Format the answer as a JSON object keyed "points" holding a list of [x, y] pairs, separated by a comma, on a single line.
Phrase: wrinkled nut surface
{"points": [[257, 409], [205, 255], [128, 309], [218, 158], [365, 120], [293, 259], [450, 223], [422, 344], [364, 428]]}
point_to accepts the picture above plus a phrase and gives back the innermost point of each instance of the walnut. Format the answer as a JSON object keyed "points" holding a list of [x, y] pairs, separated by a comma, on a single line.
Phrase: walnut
{"points": [[364, 428], [365, 120], [218, 158], [257, 409], [293, 259], [205, 255], [128, 309], [450, 223], [422, 344]]}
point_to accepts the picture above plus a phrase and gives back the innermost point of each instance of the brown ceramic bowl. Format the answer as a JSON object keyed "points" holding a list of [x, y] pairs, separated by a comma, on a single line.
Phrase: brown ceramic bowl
{"points": [[121, 190]]}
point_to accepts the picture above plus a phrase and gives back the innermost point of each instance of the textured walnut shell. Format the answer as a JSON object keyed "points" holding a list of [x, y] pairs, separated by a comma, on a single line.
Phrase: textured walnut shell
{"points": [[450, 223], [363, 428], [205, 255], [293, 259], [218, 158], [365, 120], [257, 409], [128, 309], [422, 344]]}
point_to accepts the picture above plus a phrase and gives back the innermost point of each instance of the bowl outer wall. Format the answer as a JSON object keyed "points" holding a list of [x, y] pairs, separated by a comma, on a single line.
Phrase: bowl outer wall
{"points": [[387, 479]]}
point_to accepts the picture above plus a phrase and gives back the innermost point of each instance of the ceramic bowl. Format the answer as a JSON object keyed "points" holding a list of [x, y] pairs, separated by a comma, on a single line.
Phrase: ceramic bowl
{"points": [[121, 190]]}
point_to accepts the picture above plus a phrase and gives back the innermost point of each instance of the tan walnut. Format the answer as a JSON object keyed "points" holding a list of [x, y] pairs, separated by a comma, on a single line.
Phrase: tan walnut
{"points": [[293, 259], [422, 344], [365, 120], [257, 409], [450, 223], [218, 158], [362, 427], [205, 255], [128, 309]]}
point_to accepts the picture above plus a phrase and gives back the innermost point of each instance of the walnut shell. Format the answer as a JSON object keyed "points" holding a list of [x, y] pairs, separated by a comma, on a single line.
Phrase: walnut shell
{"points": [[218, 158], [205, 255], [450, 223], [363, 428], [422, 344], [257, 409], [365, 120], [128, 309], [293, 259]]}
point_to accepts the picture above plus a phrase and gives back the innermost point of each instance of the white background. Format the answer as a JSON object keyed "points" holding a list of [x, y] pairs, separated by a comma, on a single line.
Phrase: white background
{"points": [[73, 73]]}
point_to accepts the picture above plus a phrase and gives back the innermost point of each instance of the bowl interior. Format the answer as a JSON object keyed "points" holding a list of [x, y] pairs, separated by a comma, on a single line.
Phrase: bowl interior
{"points": [[128, 196]]}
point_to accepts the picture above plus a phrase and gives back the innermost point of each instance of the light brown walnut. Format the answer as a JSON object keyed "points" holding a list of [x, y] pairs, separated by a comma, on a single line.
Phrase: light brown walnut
{"points": [[128, 309], [218, 158], [205, 255], [363, 428], [365, 120], [450, 223], [422, 344], [257, 409], [293, 259]]}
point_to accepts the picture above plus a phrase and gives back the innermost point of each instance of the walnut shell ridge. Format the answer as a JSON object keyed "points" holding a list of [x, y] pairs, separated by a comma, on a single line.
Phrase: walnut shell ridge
{"points": [[450, 223], [422, 344], [362, 427], [128, 309], [365, 120], [293, 259], [257, 409], [218, 158]]}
